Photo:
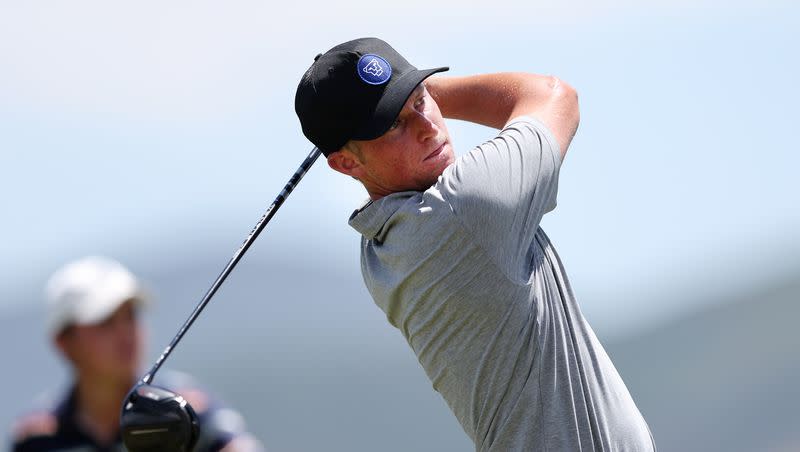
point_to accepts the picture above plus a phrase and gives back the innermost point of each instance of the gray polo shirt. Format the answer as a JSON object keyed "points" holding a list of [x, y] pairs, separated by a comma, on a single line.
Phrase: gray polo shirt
{"points": [[466, 274]]}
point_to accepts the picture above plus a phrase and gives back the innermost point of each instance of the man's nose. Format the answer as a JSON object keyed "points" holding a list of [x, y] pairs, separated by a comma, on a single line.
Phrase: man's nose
{"points": [[426, 129]]}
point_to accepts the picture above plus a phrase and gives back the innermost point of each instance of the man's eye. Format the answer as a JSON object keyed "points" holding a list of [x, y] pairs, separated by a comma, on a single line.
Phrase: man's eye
{"points": [[395, 124], [421, 101]]}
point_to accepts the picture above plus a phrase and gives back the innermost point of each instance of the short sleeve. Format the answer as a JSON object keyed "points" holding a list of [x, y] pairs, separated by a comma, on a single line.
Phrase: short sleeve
{"points": [[501, 189]]}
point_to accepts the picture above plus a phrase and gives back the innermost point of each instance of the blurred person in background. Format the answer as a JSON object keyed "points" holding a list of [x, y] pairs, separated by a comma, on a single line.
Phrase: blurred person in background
{"points": [[92, 319]]}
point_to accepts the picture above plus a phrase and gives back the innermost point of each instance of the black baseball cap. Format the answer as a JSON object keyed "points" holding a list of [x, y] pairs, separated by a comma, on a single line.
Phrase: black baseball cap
{"points": [[355, 91]]}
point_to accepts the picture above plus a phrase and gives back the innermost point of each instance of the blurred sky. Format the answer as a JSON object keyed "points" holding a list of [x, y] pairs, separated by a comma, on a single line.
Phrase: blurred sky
{"points": [[149, 128]]}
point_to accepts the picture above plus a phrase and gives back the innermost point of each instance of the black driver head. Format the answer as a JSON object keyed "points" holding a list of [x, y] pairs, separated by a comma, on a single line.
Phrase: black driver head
{"points": [[156, 419]]}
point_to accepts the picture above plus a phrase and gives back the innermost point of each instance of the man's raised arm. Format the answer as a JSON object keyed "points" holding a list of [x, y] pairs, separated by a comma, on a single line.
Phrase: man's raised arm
{"points": [[494, 99]]}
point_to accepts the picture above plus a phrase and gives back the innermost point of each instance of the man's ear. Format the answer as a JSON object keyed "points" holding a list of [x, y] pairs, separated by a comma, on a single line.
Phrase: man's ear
{"points": [[62, 343], [345, 162]]}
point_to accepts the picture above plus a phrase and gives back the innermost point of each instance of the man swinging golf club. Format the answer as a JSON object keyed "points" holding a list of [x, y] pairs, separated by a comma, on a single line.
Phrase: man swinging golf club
{"points": [[452, 250]]}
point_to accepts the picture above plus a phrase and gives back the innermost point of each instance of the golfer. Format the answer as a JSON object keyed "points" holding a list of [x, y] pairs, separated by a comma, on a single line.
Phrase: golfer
{"points": [[92, 320], [452, 250]]}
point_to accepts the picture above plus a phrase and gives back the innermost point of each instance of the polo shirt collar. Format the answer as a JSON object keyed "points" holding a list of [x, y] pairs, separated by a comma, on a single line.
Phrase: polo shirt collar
{"points": [[370, 219]]}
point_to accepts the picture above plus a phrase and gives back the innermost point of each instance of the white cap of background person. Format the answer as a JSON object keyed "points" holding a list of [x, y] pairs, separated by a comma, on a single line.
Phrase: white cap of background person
{"points": [[87, 291]]}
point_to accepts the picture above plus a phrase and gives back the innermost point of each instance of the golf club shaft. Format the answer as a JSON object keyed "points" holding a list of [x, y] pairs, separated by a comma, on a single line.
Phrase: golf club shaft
{"points": [[295, 179]]}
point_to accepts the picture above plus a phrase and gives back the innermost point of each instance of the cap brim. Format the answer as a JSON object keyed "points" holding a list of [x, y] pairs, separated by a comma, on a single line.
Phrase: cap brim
{"points": [[96, 312], [101, 309], [392, 102]]}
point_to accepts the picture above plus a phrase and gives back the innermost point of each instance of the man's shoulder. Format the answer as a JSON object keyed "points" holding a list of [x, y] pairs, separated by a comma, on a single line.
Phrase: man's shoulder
{"points": [[34, 426], [502, 170], [398, 211], [419, 209], [219, 422], [519, 134], [41, 420]]}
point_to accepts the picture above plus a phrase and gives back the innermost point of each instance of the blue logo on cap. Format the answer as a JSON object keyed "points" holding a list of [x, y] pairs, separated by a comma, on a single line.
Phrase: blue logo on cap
{"points": [[374, 69]]}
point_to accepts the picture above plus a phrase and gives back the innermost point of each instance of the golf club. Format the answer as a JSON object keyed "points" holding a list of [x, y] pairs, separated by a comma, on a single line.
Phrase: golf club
{"points": [[156, 419]]}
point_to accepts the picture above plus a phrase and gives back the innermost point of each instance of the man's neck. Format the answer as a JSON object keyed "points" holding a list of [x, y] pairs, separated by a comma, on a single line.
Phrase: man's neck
{"points": [[99, 402]]}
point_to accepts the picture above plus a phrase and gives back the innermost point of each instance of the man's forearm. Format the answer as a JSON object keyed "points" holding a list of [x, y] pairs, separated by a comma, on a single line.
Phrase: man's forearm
{"points": [[493, 99]]}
